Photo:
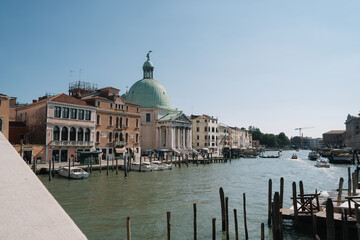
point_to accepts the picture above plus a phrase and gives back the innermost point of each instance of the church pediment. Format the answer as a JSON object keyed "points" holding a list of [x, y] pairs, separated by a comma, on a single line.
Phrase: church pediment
{"points": [[183, 118], [119, 100]]}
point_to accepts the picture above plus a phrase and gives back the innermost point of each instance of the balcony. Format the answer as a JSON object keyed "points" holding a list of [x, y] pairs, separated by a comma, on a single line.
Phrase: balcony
{"points": [[72, 143], [119, 143]]}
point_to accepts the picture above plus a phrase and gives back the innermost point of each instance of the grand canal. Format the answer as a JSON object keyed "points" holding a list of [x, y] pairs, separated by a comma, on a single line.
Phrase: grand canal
{"points": [[99, 205]]}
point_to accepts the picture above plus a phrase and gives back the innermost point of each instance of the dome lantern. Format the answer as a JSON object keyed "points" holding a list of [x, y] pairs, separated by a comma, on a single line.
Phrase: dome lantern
{"points": [[148, 67]]}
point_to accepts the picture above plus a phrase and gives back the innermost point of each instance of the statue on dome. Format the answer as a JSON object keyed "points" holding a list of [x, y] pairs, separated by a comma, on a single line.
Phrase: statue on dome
{"points": [[148, 55]]}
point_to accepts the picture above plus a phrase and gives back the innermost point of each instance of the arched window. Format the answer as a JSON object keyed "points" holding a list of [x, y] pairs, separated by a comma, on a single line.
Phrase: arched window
{"points": [[117, 122], [110, 120], [56, 133], [116, 137], [137, 138], [127, 122], [121, 123], [87, 135], [98, 119], [97, 137], [126, 137], [121, 137], [80, 134], [110, 137], [1, 125], [72, 134], [64, 134]]}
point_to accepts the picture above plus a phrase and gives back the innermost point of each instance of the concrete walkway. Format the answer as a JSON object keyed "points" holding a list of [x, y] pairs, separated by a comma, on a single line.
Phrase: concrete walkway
{"points": [[27, 209]]}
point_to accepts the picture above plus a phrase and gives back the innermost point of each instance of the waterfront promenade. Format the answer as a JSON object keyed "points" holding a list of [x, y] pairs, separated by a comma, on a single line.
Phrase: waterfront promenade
{"points": [[28, 210]]}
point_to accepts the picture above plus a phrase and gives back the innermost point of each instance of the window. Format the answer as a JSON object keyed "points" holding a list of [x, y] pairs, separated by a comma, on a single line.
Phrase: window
{"points": [[213, 129], [80, 134], [148, 117], [205, 144], [110, 151], [116, 137], [126, 122], [56, 133], [137, 109], [64, 134], [65, 113], [72, 134], [197, 121], [87, 135], [205, 137], [110, 120], [126, 137], [137, 123], [121, 123], [98, 103], [197, 129], [110, 137], [197, 137], [81, 115], [117, 122], [73, 113], [98, 119], [97, 136], [127, 108], [110, 105], [137, 137], [197, 144], [87, 115], [205, 129], [57, 112]]}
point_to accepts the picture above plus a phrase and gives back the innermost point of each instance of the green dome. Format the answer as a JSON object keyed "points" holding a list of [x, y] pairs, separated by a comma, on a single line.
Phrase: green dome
{"points": [[148, 65], [148, 93]]}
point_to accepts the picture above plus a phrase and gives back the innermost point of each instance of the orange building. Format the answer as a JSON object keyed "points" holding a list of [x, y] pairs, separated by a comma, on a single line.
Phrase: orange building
{"points": [[58, 126], [4, 115], [117, 122]]}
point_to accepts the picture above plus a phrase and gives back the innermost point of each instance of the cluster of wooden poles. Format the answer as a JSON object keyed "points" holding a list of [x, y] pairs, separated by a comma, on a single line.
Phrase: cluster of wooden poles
{"points": [[224, 202]]}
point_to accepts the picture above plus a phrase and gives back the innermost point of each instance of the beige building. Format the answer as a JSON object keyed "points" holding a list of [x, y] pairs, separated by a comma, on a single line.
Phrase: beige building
{"points": [[205, 134], [352, 138], [234, 137], [4, 115]]}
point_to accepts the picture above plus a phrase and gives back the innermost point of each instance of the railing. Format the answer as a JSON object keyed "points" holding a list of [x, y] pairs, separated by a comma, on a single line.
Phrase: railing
{"points": [[119, 143], [72, 143]]}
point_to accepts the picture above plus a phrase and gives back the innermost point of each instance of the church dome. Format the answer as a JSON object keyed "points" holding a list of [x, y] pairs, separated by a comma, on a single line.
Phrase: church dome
{"points": [[148, 93]]}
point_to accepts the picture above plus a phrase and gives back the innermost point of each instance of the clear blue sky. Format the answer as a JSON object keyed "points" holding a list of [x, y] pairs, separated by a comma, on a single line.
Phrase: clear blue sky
{"points": [[276, 65]]}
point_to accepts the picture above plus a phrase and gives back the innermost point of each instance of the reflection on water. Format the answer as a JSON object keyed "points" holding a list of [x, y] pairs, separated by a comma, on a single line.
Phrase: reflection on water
{"points": [[99, 205]]}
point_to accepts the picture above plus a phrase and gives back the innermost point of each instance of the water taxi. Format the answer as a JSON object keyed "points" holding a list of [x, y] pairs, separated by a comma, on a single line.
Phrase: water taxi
{"points": [[323, 163], [340, 156], [294, 156], [313, 155], [144, 167]]}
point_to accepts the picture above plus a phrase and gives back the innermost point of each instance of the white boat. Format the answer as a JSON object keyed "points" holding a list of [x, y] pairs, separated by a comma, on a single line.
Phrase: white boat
{"points": [[75, 172], [158, 166], [324, 163], [169, 166], [145, 167]]}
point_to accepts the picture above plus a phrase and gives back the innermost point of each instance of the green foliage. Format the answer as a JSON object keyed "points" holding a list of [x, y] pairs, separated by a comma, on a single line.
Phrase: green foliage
{"points": [[269, 140]]}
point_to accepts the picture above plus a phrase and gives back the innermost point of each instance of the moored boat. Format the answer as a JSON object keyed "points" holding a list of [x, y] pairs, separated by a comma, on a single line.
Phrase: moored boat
{"points": [[294, 156], [340, 156], [158, 166], [145, 167], [75, 172], [313, 155]]}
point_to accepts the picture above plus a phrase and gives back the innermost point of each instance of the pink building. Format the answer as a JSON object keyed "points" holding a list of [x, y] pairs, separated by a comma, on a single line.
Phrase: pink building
{"points": [[61, 125]]}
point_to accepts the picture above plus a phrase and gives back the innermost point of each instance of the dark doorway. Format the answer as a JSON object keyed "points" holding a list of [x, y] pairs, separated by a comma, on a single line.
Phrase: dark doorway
{"points": [[27, 156], [64, 155], [55, 155], [103, 154]]}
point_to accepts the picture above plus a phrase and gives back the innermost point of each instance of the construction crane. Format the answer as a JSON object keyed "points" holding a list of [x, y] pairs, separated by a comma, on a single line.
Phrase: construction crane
{"points": [[301, 129]]}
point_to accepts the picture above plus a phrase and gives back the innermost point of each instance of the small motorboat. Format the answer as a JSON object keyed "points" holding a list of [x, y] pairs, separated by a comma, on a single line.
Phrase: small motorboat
{"points": [[322, 162], [158, 166], [294, 156], [145, 167], [168, 166], [75, 172], [313, 156]]}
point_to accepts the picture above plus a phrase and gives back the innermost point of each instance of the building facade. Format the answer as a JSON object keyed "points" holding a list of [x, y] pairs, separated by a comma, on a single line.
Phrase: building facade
{"points": [[205, 134], [352, 126], [118, 122], [334, 138], [161, 126], [59, 126], [4, 115]]}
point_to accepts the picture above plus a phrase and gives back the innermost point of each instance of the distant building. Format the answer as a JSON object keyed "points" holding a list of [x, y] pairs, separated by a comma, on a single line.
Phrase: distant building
{"points": [[205, 133], [334, 138], [118, 122], [57, 126], [4, 115], [234, 137], [352, 126], [314, 142], [303, 142]]}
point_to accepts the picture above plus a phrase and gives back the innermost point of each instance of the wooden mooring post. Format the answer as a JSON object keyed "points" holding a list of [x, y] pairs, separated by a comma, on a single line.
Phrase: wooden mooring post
{"points": [[236, 225], [107, 165], [262, 231], [112, 164], [276, 229], [125, 166], [344, 224], [269, 202], [214, 228], [222, 203], [128, 228], [296, 220], [227, 217], [195, 221], [349, 181], [53, 167], [245, 224], [330, 223], [301, 188], [69, 169], [49, 170], [117, 166], [281, 191], [168, 218], [99, 159], [341, 182]]}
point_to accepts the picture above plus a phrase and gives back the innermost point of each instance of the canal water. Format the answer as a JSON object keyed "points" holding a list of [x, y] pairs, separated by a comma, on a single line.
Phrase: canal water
{"points": [[100, 204]]}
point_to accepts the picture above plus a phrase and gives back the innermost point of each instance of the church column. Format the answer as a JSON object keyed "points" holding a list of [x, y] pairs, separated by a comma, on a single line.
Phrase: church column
{"points": [[168, 137], [179, 145], [183, 131], [157, 137], [160, 138], [172, 137], [190, 138]]}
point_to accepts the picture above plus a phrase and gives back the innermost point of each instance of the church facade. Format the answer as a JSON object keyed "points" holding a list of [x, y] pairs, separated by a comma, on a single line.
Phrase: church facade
{"points": [[162, 127]]}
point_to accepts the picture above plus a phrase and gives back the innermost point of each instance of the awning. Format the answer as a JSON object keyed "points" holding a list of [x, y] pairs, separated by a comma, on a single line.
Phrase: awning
{"points": [[120, 150]]}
